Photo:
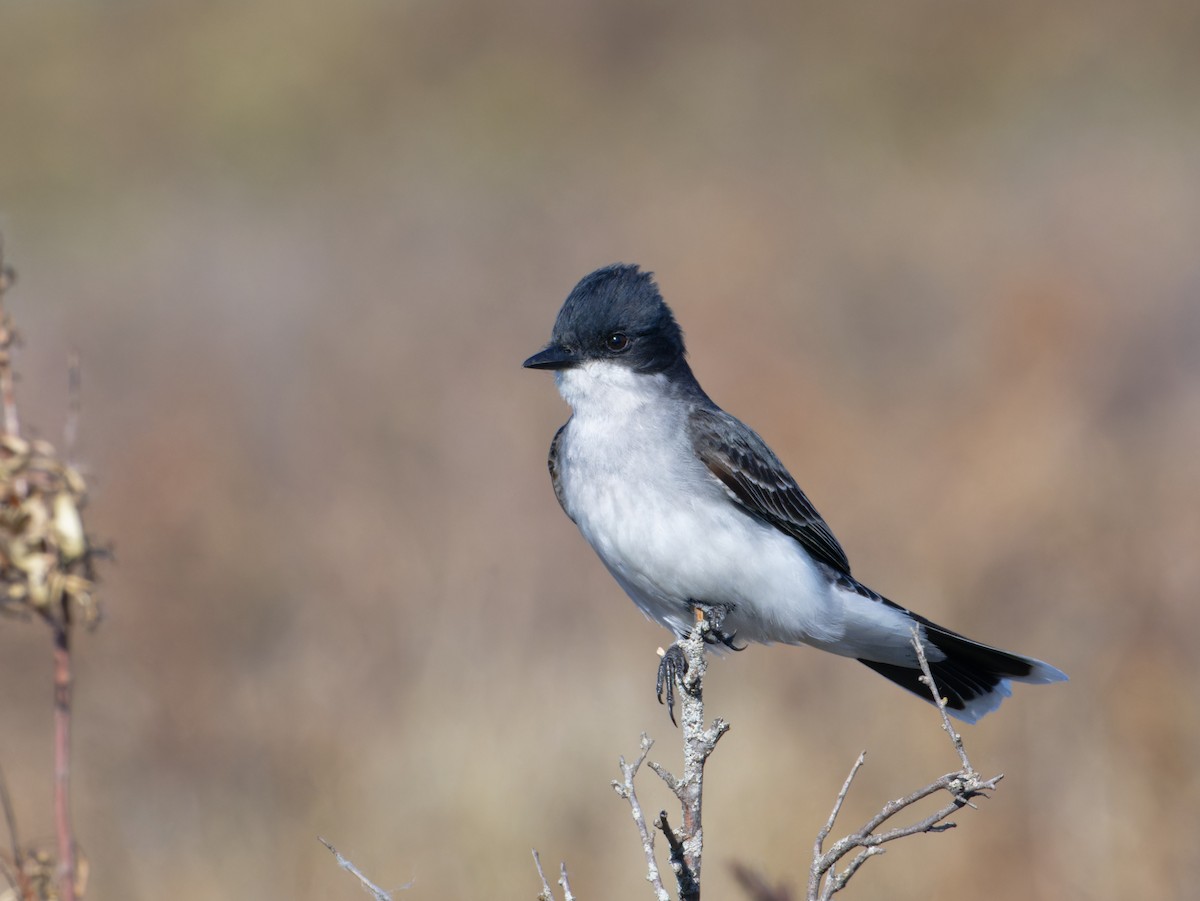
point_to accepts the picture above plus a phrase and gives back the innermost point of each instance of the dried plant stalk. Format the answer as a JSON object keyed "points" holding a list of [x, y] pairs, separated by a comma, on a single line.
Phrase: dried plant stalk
{"points": [[47, 573]]}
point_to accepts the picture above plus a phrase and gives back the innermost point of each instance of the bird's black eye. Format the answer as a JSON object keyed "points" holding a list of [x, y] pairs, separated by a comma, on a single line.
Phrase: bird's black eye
{"points": [[616, 342]]}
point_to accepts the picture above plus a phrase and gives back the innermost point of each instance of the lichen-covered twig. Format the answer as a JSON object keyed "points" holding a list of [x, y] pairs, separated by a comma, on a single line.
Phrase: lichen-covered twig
{"points": [[825, 880], [698, 744], [687, 843], [626, 790]]}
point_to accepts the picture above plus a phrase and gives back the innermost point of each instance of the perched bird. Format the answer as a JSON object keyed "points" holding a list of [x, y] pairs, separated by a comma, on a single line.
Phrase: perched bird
{"points": [[689, 509]]}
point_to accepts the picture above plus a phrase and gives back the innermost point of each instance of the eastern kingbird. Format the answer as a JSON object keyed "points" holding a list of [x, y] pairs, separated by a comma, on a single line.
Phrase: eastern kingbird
{"points": [[689, 509]]}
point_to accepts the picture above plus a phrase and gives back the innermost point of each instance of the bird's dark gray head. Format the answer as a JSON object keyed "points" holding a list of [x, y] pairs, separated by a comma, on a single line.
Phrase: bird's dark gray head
{"points": [[614, 314]]}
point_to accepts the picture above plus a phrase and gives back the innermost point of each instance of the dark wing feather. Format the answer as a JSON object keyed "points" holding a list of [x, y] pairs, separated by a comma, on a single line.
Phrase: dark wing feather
{"points": [[758, 481], [552, 465]]}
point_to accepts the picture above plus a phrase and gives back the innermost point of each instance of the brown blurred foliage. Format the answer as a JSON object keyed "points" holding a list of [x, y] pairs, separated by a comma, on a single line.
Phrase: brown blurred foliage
{"points": [[942, 255]]}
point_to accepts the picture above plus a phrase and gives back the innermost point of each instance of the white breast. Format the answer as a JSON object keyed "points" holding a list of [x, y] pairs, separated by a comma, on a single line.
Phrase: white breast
{"points": [[666, 528]]}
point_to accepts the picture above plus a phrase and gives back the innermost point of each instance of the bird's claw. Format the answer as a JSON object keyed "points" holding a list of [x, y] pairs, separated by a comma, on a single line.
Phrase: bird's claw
{"points": [[672, 668], [725, 638]]}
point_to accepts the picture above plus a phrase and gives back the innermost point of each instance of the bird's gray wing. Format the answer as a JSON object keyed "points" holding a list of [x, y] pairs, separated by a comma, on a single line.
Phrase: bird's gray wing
{"points": [[760, 484], [552, 465]]}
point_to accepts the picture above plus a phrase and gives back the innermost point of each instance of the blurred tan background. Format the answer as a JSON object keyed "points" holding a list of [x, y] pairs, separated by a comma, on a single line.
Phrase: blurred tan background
{"points": [[943, 256]]}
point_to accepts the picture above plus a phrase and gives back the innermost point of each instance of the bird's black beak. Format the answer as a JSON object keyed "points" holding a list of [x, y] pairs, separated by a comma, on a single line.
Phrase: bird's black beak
{"points": [[553, 357]]}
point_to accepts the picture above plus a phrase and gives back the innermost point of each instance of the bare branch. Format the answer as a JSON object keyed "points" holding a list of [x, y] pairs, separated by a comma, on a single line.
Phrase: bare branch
{"points": [[547, 894], [815, 872], [841, 799], [664, 774], [963, 786], [927, 678], [687, 844], [565, 883], [837, 881], [626, 790], [698, 741], [685, 879], [370, 887]]}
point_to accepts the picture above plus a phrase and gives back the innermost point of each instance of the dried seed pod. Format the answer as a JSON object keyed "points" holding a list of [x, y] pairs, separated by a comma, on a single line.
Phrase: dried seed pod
{"points": [[68, 528]]}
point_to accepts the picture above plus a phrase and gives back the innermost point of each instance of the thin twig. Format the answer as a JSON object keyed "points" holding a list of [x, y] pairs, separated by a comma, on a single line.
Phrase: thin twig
{"points": [[837, 881], [685, 880], [626, 790], [547, 894], [824, 879], [927, 678], [565, 883], [815, 873], [370, 887], [841, 799]]}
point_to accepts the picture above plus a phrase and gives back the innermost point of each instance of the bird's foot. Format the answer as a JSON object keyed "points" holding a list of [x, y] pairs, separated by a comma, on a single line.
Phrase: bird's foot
{"points": [[725, 638], [712, 616], [672, 668]]}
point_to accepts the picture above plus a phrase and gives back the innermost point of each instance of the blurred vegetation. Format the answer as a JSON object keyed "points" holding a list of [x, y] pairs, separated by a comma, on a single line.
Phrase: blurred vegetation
{"points": [[941, 255]]}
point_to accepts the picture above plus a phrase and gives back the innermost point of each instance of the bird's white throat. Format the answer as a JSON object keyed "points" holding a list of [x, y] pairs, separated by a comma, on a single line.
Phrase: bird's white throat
{"points": [[599, 387]]}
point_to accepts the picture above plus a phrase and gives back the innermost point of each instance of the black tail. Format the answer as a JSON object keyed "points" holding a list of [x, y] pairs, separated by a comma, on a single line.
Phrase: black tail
{"points": [[972, 677]]}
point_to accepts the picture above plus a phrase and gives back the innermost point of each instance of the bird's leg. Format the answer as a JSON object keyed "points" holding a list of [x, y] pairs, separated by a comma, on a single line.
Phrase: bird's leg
{"points": [[673, 666]]}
